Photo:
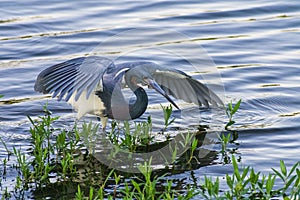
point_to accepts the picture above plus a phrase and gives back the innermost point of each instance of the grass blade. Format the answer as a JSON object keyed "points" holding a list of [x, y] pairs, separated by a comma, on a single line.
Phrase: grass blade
{"points": [[283, 168], [236, 107]]}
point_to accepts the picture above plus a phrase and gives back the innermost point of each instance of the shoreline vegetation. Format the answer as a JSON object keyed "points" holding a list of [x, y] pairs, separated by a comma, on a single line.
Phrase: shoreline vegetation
{"points": [[61, 164]]}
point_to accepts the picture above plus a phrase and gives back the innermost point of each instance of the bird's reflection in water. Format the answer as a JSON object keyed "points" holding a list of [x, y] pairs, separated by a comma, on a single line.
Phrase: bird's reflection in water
{"points": [[172, 155]]}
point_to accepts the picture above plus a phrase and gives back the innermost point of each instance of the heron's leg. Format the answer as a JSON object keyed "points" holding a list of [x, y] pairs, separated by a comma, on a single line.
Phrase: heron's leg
{"points": [[76, 122], [103, 122]]}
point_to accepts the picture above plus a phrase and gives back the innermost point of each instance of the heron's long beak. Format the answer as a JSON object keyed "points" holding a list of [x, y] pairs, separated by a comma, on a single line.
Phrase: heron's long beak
{"points": [[158, 89]]}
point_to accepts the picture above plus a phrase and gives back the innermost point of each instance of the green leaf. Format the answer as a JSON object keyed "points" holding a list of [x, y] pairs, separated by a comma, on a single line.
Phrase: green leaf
{"points": [[216, 186], [229, 123], [230, 106], [245, 172], [236, 168], [1, 95], [170, 122], [278, 174], [283, 168], [236, 107], [297, 182], [291, 180], [229, 181], [270, 182], [298, 172], [246, 183], [91, 193], [79, 194], [136, 186], [194, 143], [293, 169], [253, 176]]}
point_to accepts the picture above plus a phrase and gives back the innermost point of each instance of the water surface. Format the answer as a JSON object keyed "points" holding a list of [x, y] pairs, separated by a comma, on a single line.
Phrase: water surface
{"points": [[253, 44]]}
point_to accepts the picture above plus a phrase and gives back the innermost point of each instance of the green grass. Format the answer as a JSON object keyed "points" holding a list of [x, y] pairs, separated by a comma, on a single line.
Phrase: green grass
{"points": [[230, 111], [60, 163], [245, 183], [131, 136]]}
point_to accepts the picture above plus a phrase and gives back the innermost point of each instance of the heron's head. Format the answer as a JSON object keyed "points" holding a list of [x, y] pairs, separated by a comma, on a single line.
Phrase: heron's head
{"points": [[142, 74], [139, 75]]}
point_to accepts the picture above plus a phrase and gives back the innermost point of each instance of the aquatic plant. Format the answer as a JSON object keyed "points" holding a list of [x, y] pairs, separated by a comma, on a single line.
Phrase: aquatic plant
{"points": [[167, 116], [291, 180], [45, 158], [131, 135], [66, 154], [230, 111], [146, 186], [246, 183], [230, 136]]}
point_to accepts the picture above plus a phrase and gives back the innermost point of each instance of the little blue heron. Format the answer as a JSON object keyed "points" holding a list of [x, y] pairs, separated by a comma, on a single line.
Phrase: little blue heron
{"points": [[94, 85]]}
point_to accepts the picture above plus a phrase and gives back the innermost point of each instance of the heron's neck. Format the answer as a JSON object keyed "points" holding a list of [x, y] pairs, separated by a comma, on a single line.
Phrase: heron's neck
{"points": [[137, 108]]}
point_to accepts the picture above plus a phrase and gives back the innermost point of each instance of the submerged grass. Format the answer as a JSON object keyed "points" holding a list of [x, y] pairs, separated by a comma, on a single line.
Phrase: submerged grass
{"points": [[60, 164]]}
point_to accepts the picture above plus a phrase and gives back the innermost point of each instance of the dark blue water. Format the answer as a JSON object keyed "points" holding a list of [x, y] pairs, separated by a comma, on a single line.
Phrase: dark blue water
{"points": [[254, 47]]}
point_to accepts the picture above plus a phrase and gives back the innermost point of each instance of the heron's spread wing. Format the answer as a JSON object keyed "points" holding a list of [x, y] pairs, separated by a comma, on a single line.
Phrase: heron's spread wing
{"points": [[182, 86], [175, 82], [73, 77]]}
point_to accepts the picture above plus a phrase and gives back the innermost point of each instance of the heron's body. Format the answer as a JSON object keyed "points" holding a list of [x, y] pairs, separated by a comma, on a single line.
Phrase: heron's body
{"points": [[92, 105], [94, 85]]}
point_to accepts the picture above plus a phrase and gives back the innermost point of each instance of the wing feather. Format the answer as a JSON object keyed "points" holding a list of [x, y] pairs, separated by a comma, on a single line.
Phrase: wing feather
{"points": [[73, 77], [174, 82], [184, 87]]}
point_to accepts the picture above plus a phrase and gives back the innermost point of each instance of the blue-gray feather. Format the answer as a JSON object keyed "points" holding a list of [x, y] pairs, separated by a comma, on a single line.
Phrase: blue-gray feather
{"points": [[73, 76]]}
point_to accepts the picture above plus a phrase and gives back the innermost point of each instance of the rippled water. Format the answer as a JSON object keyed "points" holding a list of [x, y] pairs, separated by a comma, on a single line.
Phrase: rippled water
{"points": [[254, 45]]}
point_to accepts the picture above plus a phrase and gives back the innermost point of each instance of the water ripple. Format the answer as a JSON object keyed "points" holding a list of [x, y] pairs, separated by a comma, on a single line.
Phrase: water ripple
{"points": [[254, 46]]}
